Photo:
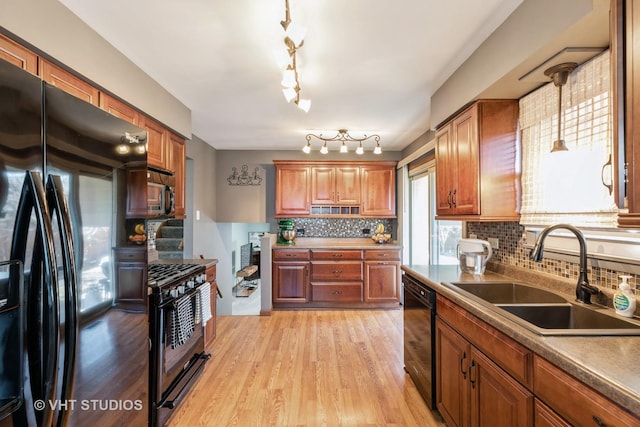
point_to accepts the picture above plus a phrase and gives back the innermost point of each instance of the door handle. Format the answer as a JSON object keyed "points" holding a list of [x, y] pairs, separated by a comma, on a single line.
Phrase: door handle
{"points": [[462, 369], [58, 206], [42, 290]]}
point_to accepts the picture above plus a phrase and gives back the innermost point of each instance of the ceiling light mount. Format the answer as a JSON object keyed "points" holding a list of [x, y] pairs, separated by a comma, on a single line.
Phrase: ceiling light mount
{"points": [[559, 74], [343, 137]]}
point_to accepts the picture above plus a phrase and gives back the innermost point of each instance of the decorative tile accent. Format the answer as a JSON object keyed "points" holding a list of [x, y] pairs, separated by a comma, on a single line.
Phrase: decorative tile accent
{"points": [[339, 227], [512, 252]]}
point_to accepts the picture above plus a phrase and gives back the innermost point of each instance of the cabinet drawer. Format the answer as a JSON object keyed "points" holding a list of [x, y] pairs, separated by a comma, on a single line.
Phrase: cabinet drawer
{"points": [[573, 400], [329, 270], [123, 254], [391, 254], [290, 254], [336, 292], [335, 254], [507, 353]]}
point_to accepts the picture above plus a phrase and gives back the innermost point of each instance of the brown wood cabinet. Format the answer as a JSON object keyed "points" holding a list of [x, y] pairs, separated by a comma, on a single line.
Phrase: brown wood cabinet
{"points": [[176, 164], [476, 157], [119, 109], [68, 82], [293, 189], [157, 154], [577, 403], [336, 276], [18, 55], [335, 185], [131, 279], [382, 275], [136, 204], [210, 326], [290, 276], [335, 189], [379, 190], [472, 390]]}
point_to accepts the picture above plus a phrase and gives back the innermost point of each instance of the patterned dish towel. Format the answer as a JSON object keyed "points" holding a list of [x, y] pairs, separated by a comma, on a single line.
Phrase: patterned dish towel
{"points": [[205, 301], [182, 321]]}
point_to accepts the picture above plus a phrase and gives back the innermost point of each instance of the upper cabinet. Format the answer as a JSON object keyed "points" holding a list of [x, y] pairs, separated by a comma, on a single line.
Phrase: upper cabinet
{"points": [[176, 164], [18, 55], [157, 150], [476, 158], [119, 109], [68, 82], [335, 189]]}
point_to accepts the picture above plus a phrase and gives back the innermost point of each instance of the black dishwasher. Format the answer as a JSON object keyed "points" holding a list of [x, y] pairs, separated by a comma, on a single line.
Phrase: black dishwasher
{"points": [[419, 316]]}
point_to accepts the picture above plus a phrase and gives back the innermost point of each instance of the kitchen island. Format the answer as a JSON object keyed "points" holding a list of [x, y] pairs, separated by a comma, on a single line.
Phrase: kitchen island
{"points": [[599, 370], [336, 273]]}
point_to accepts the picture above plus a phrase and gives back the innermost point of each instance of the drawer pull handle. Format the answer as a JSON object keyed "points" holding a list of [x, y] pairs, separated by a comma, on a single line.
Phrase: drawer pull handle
{"points": [[336, 272], [337, 255], [464, 371], [598, 421], [336, 293], [383, 254]]}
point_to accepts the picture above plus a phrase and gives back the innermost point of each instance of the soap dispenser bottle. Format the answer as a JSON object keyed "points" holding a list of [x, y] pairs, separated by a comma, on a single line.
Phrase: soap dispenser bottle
{"points": [[623, 300]]}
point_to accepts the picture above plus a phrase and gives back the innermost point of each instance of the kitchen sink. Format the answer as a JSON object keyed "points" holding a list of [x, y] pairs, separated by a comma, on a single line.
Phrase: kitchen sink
{"points": [[570, 319], [510, 293], [547, 313]]}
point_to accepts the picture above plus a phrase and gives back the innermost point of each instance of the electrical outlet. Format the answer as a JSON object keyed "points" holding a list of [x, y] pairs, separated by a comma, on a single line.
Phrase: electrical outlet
{"points": [[493, 241], [366, 231], [300, 231]]}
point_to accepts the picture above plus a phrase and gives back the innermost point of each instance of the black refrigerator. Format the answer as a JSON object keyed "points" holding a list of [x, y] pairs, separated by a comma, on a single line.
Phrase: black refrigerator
{"points": [[67, 357]]}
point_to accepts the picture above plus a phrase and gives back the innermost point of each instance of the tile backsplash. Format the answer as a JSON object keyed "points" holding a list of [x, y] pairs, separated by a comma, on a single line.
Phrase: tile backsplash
{"points": [[339, 227], [511, 236]]}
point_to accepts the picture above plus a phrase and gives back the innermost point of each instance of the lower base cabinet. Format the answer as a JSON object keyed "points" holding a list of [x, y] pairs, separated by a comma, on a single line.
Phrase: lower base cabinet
{"points": [[471, 389], [130, 267], [485, 378]]}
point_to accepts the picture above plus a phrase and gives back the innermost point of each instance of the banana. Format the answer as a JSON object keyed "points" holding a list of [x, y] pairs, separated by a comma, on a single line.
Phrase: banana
{"points": [[139, 229], [380, 228]]}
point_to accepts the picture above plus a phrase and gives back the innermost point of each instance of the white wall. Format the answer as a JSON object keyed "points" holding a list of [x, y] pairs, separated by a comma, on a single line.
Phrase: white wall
{"points": [[48, 26]]}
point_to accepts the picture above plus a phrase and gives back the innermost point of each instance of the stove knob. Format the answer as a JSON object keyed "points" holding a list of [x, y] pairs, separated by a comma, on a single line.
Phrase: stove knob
{"points": [[202, 278]]}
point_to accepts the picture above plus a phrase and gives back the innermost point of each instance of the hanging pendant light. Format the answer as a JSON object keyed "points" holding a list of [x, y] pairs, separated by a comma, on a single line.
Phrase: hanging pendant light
{"points": [[559, 75]]}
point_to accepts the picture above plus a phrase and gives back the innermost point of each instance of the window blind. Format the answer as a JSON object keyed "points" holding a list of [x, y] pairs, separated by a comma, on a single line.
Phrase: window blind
{"points": [[567, 186]]}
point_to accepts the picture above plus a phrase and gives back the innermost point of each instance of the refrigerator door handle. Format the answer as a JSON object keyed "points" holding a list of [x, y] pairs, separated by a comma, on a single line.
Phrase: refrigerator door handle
{"points": [[58, 206], [43, 335]]}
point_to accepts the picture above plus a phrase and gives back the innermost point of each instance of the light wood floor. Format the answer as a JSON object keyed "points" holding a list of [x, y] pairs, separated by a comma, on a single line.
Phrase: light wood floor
{"points": [[306, 368]]}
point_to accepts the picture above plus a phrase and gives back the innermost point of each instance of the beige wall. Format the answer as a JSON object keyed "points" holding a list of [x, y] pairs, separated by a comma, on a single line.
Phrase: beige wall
{"points": [[51, 28]]}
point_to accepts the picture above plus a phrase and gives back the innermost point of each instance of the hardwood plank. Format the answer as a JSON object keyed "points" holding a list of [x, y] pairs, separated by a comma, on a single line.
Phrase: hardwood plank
{"points": [[307, 368]]}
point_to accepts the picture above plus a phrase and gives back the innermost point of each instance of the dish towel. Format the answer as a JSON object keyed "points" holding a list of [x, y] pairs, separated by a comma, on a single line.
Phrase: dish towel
{"points": [[205, 301], [182, 321]]}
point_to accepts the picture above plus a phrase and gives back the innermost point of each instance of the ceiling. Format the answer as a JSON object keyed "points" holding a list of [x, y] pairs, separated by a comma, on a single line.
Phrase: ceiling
{"points": [[367, 66]]}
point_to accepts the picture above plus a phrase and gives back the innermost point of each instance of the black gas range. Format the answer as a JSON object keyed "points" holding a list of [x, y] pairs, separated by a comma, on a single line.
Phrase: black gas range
{"points": [[178, 309]]}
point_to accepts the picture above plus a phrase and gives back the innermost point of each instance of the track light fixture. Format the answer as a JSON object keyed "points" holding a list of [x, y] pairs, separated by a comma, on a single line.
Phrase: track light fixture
{"points": [[559, 75], [293, 40], [343, 137]]}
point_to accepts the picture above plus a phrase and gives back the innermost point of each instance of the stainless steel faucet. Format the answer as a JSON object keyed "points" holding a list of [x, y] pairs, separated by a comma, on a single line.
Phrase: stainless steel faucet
{"points": [[583, 289]]}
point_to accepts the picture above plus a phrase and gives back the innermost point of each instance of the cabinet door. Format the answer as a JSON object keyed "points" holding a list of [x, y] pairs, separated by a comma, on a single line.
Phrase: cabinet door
{"points": [[378, 191], [445, 169], [546, 417], [156, 146], [453, 356], [497, 400], [292, 190], [119, 109], [348, 185], [18, 55], [68, 82], [323, 185], [136, 205], [291, 282], [466, 189], [176, 164], [382, 281]]}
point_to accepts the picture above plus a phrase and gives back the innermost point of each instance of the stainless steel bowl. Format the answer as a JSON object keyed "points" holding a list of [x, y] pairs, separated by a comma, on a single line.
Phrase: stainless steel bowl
{"points": [[289, 235]]}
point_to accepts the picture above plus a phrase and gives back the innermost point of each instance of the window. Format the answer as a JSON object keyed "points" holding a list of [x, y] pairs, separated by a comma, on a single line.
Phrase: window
{"points": [[431, 241], [569, 186]]}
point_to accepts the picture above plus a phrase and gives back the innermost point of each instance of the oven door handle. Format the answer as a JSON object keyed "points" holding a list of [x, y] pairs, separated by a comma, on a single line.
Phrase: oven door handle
{"points": [[171, 404]]}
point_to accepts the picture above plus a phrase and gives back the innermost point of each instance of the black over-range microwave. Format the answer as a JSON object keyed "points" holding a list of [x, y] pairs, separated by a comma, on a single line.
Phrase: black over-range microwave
{"points": [[161, 187]]}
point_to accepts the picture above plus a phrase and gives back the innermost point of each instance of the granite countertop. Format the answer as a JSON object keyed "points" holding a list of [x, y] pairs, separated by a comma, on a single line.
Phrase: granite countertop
{"points": [[337, 243], [606, 363]]}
